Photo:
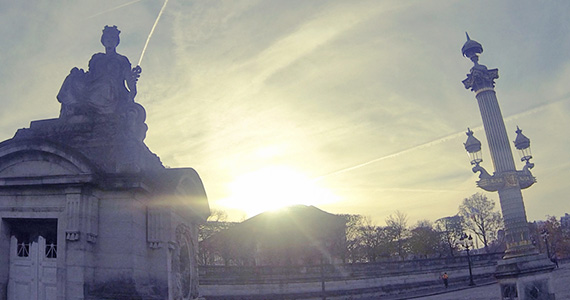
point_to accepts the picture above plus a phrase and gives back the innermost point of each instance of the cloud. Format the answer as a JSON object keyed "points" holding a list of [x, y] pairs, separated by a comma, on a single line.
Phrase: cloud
{"points": [[366, 95], [113, 8]]}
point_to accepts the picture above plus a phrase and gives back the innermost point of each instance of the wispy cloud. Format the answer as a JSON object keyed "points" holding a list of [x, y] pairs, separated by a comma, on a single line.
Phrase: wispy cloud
{"points": [[113, 9], [363, 97], [439, 140], [396, 154]]}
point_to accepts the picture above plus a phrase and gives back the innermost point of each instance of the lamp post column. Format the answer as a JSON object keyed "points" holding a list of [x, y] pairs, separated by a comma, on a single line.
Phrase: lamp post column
{"points": [[545, 237], [467, 243], [505, 180], [522, 273]]}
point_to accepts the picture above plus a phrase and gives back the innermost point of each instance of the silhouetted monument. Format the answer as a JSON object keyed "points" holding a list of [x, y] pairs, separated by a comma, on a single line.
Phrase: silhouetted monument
{"points": [[523, 274], [87, 210]]}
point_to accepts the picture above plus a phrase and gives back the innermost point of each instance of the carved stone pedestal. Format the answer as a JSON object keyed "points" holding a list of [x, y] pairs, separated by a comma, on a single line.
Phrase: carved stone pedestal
{"points": [[526, 278]]}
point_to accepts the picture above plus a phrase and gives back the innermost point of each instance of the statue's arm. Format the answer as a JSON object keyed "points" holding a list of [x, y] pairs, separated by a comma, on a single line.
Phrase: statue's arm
{"points": [[131, 77]]}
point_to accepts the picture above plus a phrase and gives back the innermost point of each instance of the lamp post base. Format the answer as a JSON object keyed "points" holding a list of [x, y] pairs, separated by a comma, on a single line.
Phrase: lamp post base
{"points": [[525, 278]]}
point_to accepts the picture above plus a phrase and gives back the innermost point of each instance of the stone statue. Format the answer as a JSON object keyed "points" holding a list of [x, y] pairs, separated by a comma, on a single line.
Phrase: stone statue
{"points": [[106, 91], [106, 87]]}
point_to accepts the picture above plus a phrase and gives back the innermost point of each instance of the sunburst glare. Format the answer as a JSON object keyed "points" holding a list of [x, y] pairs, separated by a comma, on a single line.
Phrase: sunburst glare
{"points": [[272, 188]]}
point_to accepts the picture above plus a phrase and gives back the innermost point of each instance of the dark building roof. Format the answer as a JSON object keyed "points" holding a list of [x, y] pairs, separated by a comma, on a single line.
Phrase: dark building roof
{"points": [[293, 233]]}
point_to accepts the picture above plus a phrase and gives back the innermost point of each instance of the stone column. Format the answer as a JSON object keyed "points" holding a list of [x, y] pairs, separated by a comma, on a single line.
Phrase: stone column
{"points": [[522, 274], [81, 234], [495, 128], [505, 178]]}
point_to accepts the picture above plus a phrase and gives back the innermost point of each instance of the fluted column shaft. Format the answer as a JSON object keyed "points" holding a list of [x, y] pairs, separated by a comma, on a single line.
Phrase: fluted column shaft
{"points": [[495, 130], [505, 179]]}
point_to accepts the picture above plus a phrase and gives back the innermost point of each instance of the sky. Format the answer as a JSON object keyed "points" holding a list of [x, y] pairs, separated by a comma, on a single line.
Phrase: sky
{"points": [[352, 106]]}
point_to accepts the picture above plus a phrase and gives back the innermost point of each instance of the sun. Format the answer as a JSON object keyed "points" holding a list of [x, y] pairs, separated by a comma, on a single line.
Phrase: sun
{"points": [[272, 188]]}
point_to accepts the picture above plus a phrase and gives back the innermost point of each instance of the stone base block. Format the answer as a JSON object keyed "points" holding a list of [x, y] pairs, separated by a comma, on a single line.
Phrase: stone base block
{"points": [[526, 278]]}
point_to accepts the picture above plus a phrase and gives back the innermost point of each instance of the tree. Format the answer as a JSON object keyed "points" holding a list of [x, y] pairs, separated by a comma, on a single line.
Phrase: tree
{"points": [[370, 239], [398, 231], [353, 251], [216, 222], [450, 229], [218, 215], [424, 241], [365, 241], [479, 217], [500, 243], [558, 240]]}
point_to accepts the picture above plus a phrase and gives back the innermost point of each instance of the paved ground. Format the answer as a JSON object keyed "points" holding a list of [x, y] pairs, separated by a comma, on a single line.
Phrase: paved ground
{"points": [[561, 284]]}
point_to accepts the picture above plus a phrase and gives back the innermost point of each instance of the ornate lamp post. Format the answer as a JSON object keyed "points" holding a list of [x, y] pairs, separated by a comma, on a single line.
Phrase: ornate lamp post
{"points": [[473, 147], [323, 292], [467, 243], [521, 268], [326, 245], [544, 234]]}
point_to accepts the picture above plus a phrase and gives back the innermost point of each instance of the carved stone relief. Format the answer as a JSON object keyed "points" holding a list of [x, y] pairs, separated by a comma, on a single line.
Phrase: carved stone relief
{"points": [[184, 265]]}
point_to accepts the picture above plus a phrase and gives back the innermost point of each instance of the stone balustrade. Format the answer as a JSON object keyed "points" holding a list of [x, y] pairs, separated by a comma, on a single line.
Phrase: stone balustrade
{"points": [[356, 280]]}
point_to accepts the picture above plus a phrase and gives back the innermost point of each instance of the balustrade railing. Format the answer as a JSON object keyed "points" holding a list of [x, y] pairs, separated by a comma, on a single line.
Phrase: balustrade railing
{"points": [[290, 274]]}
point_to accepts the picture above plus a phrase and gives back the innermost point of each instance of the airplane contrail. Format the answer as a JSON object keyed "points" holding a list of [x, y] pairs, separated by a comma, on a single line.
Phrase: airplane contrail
{"points": [[437, 141], [114, 8], [428, 144], [152, 31]]}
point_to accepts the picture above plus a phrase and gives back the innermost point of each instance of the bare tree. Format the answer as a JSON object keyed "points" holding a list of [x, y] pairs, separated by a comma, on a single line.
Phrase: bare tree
{"points": [[480, 217], [218, 215], [424, 241], [217, 222], [397, 227], [369, 239], [365, 241], [450, 229], [353, 237]]}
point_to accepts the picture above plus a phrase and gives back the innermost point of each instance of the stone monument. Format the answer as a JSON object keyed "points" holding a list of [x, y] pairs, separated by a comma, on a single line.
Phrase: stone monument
{"points": [[87, 210], [523, 274]]}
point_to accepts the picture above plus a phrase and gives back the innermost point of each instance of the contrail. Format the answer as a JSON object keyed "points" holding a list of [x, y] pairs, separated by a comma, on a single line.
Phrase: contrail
{"points": [[114, 8], [437, 141], [428, 144], [152, 31]]}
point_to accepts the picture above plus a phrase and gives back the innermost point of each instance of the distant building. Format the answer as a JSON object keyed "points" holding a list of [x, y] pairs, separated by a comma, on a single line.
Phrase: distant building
{"points": [[297, 235], [565, 221]]}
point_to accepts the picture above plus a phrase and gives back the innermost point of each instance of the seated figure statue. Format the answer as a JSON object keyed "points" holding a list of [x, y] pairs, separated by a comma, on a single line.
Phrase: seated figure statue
{"points": [[108, 85]]}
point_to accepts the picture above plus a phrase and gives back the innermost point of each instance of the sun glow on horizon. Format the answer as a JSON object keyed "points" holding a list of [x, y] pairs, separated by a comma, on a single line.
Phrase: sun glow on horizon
{"points": [[272, 188]]}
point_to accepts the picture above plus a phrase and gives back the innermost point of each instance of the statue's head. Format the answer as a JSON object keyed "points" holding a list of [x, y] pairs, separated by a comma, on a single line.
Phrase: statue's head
{"points": [[110, 37]]}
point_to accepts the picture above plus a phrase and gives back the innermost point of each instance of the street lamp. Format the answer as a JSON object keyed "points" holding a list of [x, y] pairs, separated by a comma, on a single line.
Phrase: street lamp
{"points": [[466, 241], [327, 247], [544, 234], [473, 147], [522, 143], [323, 292]]}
